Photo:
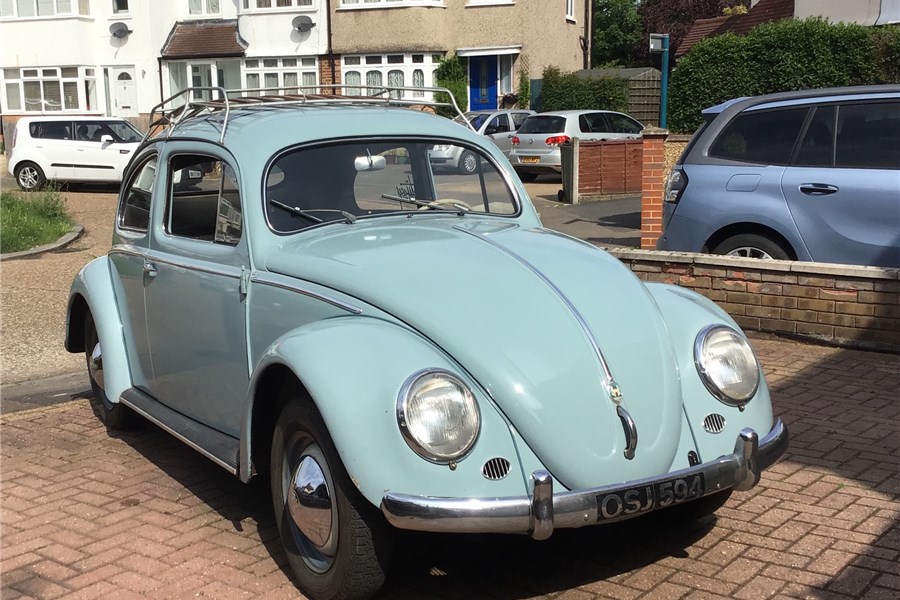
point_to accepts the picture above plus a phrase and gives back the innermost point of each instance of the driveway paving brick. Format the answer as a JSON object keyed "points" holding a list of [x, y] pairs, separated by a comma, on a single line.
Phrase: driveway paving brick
{"points": [[87, 514]]}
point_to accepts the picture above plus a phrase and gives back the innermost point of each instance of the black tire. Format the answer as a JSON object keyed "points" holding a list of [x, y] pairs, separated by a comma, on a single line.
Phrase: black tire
{"points": [[526, 176], [349, 564], [699, 509], [468, 163], [29, 176], [753, 246], [114, 416]]}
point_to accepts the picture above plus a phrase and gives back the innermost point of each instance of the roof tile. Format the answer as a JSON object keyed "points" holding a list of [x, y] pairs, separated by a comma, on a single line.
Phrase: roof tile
{"points": [[203, 39]]}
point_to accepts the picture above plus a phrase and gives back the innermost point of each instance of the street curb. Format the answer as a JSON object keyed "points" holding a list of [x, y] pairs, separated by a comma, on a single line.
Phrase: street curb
{"points": [[62, 242], [31, 412]]}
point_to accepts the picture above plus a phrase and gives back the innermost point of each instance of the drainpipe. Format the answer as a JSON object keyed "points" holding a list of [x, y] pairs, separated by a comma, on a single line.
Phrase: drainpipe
{"points": [[330, 47], [588, 35]]}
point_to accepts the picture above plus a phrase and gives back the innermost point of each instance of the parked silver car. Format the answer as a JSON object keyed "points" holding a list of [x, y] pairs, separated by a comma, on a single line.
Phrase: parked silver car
{"points": [[535, 147], [497, 125]]}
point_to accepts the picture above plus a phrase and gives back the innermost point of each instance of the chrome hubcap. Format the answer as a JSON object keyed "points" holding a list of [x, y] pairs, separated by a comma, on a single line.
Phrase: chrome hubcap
{"points": [[309, 504], [28, 177], [750, 252], [469, 163], [95, 364]]}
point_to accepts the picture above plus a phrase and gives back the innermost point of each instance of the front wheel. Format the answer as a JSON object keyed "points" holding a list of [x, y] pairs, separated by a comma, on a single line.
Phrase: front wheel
{"points": [[30, 177], [468, 163], [751, 245], [337, 544], [526, 176], [114, 416]]}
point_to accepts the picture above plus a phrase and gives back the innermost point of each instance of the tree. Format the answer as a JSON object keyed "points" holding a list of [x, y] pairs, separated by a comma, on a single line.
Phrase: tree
{"points": [[617, 33], [675, 17]]}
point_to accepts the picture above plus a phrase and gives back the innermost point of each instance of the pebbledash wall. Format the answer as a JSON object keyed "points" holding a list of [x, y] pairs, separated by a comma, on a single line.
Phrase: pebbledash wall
{"points": [[845, 305]]}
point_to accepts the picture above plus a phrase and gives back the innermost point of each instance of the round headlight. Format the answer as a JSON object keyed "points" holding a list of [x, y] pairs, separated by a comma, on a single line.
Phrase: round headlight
{"points": [[726, 364], [438, 415]]}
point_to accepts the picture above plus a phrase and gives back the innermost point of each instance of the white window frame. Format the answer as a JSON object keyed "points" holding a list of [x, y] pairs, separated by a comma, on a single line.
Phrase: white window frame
{"points": [[477, 3], [121, 13], [205, 9], [83, 78], [305, 65], [253, 5], [76, 8], [379, 4], [570, 10], [425, 62]]}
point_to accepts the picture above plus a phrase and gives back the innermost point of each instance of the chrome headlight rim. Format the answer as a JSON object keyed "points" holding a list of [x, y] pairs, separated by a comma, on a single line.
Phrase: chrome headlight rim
{"points": [[402, 404], [705, 377]]}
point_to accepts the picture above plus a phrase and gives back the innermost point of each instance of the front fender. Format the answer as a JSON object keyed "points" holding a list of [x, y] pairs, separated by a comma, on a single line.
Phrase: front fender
{"points": [[92, 290], [686, 313], [353, 368]]}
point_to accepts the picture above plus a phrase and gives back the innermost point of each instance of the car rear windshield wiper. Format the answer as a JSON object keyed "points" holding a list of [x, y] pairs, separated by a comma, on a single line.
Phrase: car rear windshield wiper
{"points": [[307, 214]]}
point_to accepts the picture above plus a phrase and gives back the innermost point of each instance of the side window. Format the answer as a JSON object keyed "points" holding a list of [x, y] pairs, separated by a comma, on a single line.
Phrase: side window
{"points": [[203, 200], [51, 130], [622, 124], [867, 136], [498, 124], [764, 136], [518, 119], [135, 208], [597, 123], [817, 146]]}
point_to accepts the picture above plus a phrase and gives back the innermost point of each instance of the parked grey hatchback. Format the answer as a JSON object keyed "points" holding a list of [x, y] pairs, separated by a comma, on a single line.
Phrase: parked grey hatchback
{"points": [[808, 175]]}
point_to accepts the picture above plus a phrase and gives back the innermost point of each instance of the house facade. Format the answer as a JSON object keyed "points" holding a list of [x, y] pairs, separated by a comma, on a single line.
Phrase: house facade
{"points": [[122, 57]]}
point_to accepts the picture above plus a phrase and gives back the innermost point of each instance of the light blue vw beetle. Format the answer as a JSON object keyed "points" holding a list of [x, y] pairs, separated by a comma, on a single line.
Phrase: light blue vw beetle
{"points": [[294, 292]]}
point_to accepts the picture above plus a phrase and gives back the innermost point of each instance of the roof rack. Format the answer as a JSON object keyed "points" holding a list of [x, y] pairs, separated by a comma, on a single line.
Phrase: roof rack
{"points": [[195, 101]]}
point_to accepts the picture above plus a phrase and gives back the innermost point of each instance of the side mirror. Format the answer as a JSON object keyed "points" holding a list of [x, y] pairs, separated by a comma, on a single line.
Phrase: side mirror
{"points": [[106, 139], [369, 163]]}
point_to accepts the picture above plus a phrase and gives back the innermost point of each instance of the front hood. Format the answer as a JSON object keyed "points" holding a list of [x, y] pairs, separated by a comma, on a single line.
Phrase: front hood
{"points": [[524, 312]]}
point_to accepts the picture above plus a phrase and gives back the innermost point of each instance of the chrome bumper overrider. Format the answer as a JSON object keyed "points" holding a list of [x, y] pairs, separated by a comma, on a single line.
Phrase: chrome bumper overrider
{"points": [[542, 512]]}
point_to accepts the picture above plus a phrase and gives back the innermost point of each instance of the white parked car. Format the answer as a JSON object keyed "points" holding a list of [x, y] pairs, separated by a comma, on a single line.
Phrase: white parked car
{"points": [[535, 147], [66, 148]]}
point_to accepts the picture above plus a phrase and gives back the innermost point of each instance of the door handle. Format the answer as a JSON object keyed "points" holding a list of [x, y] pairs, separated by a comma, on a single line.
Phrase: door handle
{"points": [[150, 269], [817, 189]]}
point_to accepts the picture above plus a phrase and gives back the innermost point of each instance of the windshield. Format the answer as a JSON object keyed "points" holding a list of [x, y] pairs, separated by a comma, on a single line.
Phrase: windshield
{"points": [[542, 124], [368, 178]]}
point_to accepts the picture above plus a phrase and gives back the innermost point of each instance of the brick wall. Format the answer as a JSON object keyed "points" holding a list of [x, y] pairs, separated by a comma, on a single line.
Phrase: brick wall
{"points": [[652, 185], [839, 304], [325, 71]]}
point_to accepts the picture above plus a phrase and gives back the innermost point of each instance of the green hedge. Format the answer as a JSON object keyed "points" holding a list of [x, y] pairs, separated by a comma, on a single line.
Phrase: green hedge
{"points": [[565, 91], [451, 74], [780, 56]]}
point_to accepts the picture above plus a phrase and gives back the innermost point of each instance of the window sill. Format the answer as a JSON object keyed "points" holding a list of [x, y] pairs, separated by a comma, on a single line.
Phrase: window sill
{"points": [[571, 20], [50, 18], [386, 6], [277, 10], [479, 4]]}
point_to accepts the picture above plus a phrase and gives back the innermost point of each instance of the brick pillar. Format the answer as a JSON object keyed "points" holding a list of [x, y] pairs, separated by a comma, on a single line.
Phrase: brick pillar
{"points": [[652, 185], [325, 72]]}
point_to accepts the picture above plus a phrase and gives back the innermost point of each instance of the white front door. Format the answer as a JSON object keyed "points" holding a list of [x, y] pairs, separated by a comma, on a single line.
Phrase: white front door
{"points": [[124, 94]]}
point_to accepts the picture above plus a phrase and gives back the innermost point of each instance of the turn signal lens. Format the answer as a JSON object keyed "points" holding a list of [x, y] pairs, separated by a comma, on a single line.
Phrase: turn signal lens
{"points": [[556, 140]]}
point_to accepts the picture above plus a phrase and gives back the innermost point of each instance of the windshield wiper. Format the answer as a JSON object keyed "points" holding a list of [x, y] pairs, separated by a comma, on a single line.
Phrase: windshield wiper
{"points": [[430, 205], [308, 215]]}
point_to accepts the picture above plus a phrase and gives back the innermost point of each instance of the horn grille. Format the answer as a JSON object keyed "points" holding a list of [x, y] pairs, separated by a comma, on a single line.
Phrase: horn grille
{"points": [[714, 423], [496, 468]]}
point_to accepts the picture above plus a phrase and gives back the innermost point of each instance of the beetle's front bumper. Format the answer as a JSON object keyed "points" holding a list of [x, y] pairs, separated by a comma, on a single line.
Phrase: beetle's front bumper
{"points": [[539, 514]]}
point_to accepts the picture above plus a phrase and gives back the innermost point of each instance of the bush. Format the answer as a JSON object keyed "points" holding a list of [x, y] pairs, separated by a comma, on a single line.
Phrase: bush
{"points": [[565, 91], [451, 74], [32, 219], [780, 56], [524, 88]]}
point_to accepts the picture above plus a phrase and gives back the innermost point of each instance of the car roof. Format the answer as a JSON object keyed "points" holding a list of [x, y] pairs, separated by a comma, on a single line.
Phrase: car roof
{"points": [[796, 96], [569, 113]]}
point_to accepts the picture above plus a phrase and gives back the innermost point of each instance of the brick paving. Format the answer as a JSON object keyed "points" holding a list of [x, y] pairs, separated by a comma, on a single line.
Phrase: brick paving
{"points": [[139, 515]]}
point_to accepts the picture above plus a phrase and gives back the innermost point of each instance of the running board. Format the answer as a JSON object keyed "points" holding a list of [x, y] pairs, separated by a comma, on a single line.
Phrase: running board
{"points": [[220, 448]]}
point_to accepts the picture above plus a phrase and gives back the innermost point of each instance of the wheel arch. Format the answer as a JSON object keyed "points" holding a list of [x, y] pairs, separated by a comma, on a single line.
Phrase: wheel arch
{"points": [[78, 310], [755, 228]]}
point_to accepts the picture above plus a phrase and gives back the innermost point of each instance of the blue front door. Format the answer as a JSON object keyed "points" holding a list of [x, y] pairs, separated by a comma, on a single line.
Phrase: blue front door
{"points": [[482, 83]]}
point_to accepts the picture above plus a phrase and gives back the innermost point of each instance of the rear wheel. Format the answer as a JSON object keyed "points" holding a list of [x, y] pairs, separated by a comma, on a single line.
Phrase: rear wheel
{"points": [[751, 245], [526, 176], [114, 416], [29, 176], [337, 544], [468, 163]]}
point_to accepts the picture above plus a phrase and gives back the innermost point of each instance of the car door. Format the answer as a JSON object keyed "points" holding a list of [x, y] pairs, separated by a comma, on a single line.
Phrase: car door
{"points": [[498, 130], [623, 127], [98, 152], [843, 186], [131, 243], [54, 148], [195, 289]]}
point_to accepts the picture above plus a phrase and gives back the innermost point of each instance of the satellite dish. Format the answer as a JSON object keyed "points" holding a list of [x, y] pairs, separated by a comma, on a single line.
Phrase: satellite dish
{"points": [[119, 30], [302, 23]]}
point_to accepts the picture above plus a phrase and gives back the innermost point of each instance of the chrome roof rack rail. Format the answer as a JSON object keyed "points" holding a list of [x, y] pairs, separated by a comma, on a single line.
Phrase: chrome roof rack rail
{"points": [[195, 101]]}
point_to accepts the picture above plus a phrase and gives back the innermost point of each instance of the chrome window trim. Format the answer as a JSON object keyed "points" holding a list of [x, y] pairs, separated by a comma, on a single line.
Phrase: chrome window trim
{"points": [[174, 263]]}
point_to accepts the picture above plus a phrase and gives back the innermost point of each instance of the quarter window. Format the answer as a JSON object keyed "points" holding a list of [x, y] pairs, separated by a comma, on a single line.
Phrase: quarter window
{"points": [[867, 136], [764, 136], [135, 209], [204, 200]]}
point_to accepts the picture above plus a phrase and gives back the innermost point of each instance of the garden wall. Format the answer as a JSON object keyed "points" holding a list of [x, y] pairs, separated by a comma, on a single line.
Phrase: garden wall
{"points": [[840, 304]]}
